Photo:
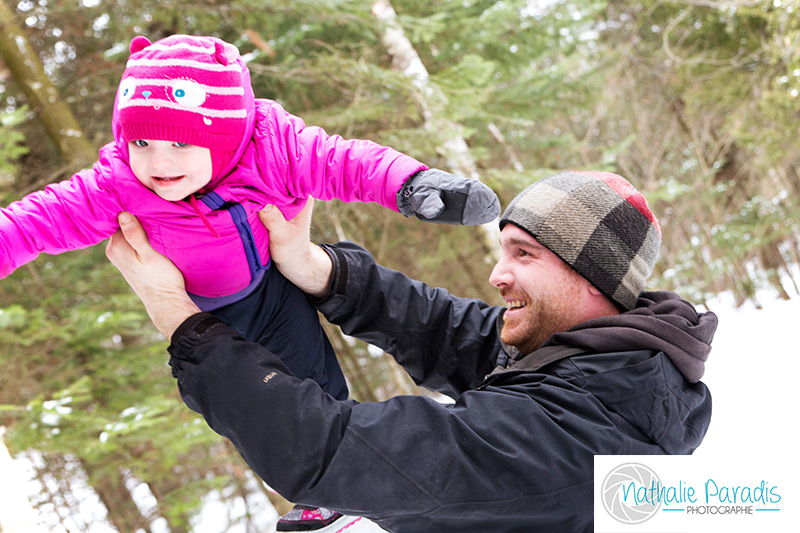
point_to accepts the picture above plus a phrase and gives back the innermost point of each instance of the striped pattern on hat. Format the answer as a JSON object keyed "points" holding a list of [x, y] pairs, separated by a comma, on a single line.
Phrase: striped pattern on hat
{"points": [[183, 89], [597, 223]]}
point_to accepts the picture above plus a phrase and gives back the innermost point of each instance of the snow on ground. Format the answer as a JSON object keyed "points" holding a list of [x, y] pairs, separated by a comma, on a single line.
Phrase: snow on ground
{"points": [[751, 372]]}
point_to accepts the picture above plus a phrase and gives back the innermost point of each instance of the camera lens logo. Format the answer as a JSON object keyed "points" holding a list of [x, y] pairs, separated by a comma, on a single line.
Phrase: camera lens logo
{"points": [[624, 493]]}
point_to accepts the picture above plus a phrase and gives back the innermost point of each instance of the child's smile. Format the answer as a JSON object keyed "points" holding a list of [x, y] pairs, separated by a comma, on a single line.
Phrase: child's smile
{"points": [[170, 169]]}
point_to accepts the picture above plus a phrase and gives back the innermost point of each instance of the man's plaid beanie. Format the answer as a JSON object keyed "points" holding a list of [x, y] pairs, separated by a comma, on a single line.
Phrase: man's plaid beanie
{"points": [[598, 224]]}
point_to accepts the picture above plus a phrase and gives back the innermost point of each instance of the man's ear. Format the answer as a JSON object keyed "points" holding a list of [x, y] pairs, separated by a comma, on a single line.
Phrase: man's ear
{"points": [[594, 291], [599, 304]]}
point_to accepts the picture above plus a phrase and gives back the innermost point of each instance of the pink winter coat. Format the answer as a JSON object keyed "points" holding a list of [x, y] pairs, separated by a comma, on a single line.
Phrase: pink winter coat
{"points": [[280, 161]]}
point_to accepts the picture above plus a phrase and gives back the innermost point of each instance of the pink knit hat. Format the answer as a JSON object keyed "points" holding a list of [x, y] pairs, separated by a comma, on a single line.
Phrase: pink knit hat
{"points": [[184, 89]]}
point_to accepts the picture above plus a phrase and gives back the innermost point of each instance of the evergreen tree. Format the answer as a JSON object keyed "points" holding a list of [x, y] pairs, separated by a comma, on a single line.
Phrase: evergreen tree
{"points": [[696, 104]]}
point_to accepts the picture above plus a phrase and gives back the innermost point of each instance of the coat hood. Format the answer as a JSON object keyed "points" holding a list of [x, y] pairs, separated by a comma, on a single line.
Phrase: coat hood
{"points": [[661, 321]]}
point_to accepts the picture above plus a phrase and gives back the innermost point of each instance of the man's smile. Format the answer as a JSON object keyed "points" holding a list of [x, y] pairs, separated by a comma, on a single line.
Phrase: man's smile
{"points": [[515, 303]]}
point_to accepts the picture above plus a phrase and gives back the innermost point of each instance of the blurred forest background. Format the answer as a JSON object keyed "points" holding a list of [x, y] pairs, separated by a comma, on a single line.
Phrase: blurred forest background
{"points": [[694, 101]]}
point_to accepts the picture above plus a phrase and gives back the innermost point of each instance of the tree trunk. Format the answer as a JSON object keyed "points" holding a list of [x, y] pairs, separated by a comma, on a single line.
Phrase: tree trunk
{"points": [[109, 484], [432, 103], [56, 116], [160, 489]]}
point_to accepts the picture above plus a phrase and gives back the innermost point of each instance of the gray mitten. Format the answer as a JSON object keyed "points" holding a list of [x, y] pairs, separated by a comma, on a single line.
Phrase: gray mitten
{"points": [[438, 196]]}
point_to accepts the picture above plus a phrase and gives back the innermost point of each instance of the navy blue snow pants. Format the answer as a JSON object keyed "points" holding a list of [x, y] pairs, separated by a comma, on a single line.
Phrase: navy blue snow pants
{"points": [[278, 316]]}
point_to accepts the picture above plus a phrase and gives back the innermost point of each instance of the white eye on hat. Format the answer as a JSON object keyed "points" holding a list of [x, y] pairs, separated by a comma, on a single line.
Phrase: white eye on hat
{"points": [[188, 93], [127, 88]]}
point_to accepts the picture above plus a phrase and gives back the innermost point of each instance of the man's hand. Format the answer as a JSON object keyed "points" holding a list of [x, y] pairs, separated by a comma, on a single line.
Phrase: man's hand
{"points": [[303, 263], [153, 277]]}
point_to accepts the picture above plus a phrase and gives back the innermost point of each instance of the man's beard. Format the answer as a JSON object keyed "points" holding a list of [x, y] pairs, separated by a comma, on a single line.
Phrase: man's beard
{"points": [[543, 316]]}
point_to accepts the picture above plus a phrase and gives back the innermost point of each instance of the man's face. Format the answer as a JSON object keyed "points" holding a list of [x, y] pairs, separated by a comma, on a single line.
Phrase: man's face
{"points": [[543, 294]]}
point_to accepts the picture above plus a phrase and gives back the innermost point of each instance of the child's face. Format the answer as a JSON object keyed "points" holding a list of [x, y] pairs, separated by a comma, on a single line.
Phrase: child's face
{"points": [[172, 170]]}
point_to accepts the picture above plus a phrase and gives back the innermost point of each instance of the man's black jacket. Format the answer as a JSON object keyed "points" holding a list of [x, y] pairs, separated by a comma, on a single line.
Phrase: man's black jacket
{"points": [[513, 453]]}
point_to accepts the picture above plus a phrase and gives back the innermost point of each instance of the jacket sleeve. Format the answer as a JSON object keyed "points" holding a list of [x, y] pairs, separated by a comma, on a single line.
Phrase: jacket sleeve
{"points": [[445, 343], [492, 451], [72, 214], [306, 161]]}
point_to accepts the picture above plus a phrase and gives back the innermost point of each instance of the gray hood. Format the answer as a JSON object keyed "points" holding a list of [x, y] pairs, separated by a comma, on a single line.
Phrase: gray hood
{"points": [[662, 321]]}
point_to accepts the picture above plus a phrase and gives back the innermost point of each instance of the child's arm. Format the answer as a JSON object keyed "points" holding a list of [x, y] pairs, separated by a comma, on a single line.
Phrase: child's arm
{"points": [[327, 167], [72, 214]]}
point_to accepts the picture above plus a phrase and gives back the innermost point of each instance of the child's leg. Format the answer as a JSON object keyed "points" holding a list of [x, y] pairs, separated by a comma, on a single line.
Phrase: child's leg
{"points": [[278, 316]]}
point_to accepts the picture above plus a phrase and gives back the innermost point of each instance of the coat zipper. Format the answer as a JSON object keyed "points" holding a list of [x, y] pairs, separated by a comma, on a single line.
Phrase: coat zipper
{"points": [[239, 216]]}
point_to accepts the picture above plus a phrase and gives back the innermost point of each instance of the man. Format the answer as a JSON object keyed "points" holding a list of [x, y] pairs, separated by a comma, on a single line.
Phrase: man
{"points": [[580, 362]]}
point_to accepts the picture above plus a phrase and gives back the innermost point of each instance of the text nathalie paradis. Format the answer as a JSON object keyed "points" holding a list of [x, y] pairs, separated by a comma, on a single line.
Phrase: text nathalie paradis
{"points": [[714, 498]]}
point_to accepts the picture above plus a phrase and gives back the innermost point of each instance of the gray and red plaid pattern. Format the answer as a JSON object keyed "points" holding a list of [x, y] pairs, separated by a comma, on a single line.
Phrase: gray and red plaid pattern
{"points": [[597, 223]]}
